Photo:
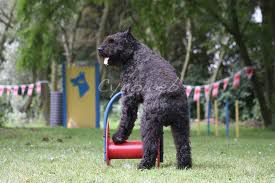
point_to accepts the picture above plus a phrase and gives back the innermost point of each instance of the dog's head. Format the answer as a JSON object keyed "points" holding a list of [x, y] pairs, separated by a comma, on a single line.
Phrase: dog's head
{"points": [[116, 49]]}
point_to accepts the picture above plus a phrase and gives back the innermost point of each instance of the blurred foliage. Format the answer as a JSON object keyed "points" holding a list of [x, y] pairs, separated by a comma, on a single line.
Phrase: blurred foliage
{"points": [[42, 26], [4, 107], [39, 29]]}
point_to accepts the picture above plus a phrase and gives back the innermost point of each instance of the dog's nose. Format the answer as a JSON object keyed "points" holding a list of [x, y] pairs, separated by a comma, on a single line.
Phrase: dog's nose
{"points": [[100, 49]]}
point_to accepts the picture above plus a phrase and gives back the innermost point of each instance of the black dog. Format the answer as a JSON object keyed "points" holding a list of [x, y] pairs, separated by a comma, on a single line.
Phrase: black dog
{"points": [[149, 79]]}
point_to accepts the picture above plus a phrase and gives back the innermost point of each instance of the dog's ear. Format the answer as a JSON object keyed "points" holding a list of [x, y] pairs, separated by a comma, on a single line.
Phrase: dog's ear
{"points": [[129, 34], [129, 30]]}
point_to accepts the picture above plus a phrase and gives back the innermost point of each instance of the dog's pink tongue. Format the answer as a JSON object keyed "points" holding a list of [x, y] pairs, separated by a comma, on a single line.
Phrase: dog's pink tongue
{"points": [[106, 60]]}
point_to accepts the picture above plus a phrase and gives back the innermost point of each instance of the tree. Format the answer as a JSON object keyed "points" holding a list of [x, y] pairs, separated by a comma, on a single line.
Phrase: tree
{"points": [[38, 40], [188, 48], [235, 18], [7, 11]]}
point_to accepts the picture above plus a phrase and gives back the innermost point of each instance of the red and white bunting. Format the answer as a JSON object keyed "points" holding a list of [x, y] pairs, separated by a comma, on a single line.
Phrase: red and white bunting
{"points": [[23, 89], [188, 90], [38, 87], [237, 79], [197, 93], [249, 72], [1, 90], [215, 90], [30, 89], [206, 90], [15, 90], [225, 83]]}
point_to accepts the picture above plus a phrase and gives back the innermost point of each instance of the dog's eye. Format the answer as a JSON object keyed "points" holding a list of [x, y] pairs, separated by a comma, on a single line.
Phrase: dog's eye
{"points": [[111, 40]]}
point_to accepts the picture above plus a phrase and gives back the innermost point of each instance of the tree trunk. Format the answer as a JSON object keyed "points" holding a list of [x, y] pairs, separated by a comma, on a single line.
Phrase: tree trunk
{"points": [[273, 64], [267, 36], [273, 20], [28, 102], [258, 89], [45, 97], [99, 36], [215, 74], [267, 48], [54, 76], [66, 45], [273, 100], [188, 49], [233, 28], [4, 37]]}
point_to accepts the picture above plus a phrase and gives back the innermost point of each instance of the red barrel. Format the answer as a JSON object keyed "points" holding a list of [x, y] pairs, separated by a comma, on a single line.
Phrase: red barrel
{"points": [[127, 150]]}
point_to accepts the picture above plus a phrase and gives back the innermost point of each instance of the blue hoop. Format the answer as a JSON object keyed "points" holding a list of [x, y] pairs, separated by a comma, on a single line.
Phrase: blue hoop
{"points": [[106, 114]]}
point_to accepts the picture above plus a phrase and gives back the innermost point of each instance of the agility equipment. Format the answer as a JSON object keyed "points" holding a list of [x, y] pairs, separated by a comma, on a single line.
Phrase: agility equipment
{"points": [[208, 117], [216, 118], [81, 95], [128, 150]]}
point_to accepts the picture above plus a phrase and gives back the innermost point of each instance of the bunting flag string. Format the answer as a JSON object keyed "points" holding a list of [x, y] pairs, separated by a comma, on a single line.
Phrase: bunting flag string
{"points": [[215, 90], [24, 88], [15, 90], [225, 83], [38, 87], [188, 90], [1, 90], [206, 90], [8, 88], [197, 93], [236, 80], [30, 89], [247, 71]]}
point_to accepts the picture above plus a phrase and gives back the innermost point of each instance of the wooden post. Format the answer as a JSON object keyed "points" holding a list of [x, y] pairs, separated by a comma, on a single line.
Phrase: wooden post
{"points": [[198, 116], [216, 118], [237, 119], [208, 117], [227, 118]]}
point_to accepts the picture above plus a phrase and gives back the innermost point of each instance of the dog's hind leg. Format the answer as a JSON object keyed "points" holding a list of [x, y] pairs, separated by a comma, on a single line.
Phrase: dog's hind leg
{"points": [[151, 129], [180, 131]]}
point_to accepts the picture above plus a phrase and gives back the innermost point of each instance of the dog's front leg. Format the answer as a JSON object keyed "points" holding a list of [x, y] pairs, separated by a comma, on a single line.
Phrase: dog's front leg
{"points": [[128, 118]]}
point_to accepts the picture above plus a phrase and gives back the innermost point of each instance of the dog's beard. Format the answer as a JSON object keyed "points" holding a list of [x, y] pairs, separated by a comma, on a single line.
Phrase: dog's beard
{"points": [[106, 60]]}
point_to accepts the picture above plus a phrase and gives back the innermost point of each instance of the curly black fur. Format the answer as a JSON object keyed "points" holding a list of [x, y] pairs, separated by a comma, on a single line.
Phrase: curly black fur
{"points": [[149, 79]]}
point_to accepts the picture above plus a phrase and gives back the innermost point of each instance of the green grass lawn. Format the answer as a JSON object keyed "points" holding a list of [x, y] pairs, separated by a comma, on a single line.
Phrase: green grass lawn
{"points": [[76, 155]]}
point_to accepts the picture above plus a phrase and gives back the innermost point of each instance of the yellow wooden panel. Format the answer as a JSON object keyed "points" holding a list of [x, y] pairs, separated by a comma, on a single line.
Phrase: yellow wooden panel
{"points": [[80, 83]]}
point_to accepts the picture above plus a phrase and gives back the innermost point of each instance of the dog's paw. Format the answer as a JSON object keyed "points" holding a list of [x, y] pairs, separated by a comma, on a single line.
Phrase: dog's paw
{"points": [[118, 138], [184, 166], [143, 165]]}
